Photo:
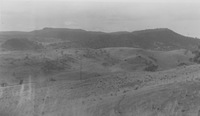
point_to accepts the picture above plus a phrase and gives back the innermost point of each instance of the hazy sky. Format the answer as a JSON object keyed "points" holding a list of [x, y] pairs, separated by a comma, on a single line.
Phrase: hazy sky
{"points": [[101, 15]]}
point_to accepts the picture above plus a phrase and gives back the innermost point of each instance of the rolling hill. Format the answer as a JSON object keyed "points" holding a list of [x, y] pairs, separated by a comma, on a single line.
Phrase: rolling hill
{"points": [[154, 39], [82, 73]]}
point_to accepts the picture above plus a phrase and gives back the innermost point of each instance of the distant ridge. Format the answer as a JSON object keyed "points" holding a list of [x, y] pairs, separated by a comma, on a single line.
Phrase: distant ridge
{"points": [[155, 39]]}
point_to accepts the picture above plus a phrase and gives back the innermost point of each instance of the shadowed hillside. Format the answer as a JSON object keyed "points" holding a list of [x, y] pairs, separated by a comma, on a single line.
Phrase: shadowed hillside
{"points": [[20, 44]]}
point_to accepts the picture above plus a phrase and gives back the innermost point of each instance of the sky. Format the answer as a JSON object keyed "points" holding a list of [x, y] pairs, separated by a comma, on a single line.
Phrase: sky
{"points": [[182, 16]]}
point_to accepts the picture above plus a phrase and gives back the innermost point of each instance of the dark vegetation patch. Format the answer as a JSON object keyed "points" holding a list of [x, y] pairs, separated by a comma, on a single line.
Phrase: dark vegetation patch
{"points": [[43, 63], [196, 57], [54, 65], [101, 55], [151, 65], [59, 64], [152, 58], [4, 84], [151, 68], [182, 64], [63, 45]]}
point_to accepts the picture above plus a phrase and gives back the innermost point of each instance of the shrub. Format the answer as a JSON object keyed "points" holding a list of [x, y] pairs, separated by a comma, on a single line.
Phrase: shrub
{"points": [[4, 84], [196, 57], [151, 68], [52, 79]]}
